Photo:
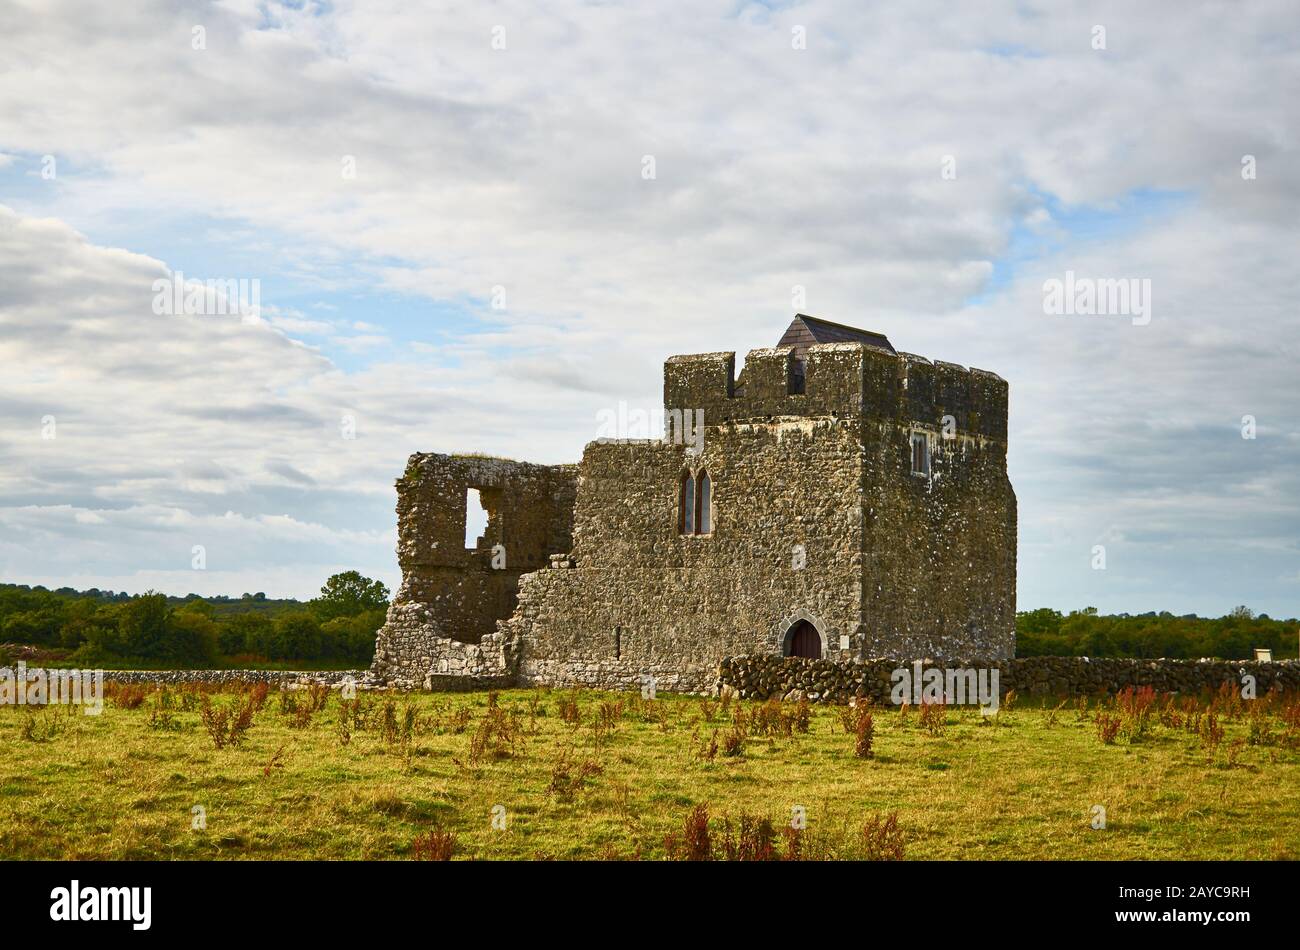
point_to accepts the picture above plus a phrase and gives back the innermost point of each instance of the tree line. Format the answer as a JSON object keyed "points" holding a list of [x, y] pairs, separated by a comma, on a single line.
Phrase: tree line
{"points": [[338, 627], [1234, 636], [94, 628]]}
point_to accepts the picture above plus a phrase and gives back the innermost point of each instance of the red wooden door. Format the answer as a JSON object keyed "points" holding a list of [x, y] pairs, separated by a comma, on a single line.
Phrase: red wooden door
{"points": [[805, 641]]}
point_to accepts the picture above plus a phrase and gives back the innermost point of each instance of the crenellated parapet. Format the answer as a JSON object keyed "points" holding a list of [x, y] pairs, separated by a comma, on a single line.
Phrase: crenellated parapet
{"points": [[838, 379], [932, 390]]}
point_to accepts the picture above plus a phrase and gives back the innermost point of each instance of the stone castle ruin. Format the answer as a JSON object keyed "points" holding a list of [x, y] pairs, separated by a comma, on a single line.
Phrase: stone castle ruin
{"points": [[838, 499]]}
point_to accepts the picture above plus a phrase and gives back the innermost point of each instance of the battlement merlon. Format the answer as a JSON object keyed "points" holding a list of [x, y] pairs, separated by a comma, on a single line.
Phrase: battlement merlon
{"points": [[840, 379]]}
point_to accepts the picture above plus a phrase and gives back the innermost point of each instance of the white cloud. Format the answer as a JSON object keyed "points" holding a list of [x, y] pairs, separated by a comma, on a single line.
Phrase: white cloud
{"points": [[774, 167]]}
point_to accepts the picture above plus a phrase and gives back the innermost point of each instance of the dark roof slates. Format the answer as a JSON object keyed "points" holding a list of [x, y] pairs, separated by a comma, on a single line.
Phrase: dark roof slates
{"points": [[804, 331]]}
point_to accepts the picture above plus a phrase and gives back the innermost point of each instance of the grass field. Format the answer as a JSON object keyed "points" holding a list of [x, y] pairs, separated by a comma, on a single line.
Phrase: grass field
{"points": [[1023, 784]]}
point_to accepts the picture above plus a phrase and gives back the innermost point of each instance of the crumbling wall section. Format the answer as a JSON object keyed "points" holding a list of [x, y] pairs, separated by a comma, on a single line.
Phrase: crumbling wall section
{"points": [[443, 618]]}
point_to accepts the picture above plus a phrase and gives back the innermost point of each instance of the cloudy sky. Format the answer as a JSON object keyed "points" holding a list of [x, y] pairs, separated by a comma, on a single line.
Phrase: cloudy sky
{"points": [[460, 246]]}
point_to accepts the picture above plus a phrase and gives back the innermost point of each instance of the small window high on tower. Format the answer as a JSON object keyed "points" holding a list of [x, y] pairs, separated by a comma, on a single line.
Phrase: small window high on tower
{"points": [[920, 454]]}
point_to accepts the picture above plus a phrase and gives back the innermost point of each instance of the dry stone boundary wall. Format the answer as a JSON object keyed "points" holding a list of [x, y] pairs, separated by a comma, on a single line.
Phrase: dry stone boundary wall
{"points": [[764, 676]]}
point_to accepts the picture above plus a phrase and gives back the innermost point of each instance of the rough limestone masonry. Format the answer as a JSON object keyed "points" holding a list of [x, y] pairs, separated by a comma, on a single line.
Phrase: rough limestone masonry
{"points": [[838, 500]]}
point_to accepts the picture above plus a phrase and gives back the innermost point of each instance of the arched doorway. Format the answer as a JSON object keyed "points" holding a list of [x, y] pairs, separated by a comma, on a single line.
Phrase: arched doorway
{"points": [[804, 640]]}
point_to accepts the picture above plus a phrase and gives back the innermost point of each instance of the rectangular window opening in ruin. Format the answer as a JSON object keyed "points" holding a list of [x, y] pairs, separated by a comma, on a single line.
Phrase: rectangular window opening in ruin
{"points": [[798, 377], [476, 519]]}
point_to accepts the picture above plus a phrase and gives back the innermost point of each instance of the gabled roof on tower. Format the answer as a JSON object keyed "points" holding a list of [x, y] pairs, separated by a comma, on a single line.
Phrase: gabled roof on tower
{"points": [[804, 331]]}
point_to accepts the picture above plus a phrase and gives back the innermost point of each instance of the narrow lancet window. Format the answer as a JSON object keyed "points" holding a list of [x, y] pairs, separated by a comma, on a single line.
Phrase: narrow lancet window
{"points": [[703, 521], [686, 511], [920, 454]]}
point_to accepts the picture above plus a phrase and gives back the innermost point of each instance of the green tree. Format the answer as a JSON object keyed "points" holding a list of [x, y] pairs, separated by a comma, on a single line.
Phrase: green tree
{"points": [[84, 615], [191, 639], [34, 626], [143, 624], [197, 605], [352, 638], [349, 594], [246, 633], [297, 637], [102, 638]]}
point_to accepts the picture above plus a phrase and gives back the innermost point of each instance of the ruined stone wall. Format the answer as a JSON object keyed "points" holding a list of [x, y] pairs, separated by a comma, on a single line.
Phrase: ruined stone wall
{"points": [[815, 516], [443, 618], [766, 677], [283, 679]]}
